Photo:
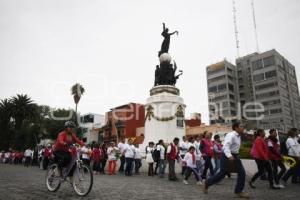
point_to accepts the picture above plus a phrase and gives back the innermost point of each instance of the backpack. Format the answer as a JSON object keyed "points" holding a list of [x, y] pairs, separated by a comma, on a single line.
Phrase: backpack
{"points": [[156, 155], [283, 148]]}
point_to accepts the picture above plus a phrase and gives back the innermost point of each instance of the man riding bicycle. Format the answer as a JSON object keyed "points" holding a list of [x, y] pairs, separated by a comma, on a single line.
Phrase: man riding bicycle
{"points": [[65, 140], [67, 166]]}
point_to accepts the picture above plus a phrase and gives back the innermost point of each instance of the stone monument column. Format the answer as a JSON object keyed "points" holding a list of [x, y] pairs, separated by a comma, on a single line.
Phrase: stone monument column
{"points": [[165, 109]]}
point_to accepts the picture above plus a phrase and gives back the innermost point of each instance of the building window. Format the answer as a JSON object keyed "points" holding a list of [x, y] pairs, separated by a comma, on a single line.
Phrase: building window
{"points": [[88, 119], [265, 86], [222, 87], [213, 89], [269, 61], [220, 98], [180, 123], [225, 104], [273, 102], [258, 77], [225, 113], [275, 111], [267, 94], [256, 65], [231, 97], [212, 80], [271, 74], [231, 87]]}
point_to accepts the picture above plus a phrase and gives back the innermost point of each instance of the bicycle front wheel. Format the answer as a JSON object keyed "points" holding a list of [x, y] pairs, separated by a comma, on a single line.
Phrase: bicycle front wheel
{"points": [[53, 178], [82, 180]]}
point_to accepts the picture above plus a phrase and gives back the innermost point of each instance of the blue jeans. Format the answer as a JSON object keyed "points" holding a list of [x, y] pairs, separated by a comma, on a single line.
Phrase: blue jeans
{"points": [[223, 171], [207, 165], [162, 167], [129, 166], [217, 165]]}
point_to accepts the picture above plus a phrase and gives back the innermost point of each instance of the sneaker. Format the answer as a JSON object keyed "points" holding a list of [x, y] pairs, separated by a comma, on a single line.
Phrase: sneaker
{"points": [[185, 182], [251, 185], [284, 183], [273, 187], [281, 186], [242, 195], [199, 183]]}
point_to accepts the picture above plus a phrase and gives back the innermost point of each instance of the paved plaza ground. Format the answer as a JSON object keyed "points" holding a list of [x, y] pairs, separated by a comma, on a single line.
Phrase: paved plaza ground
{"points": [[19, 182]]}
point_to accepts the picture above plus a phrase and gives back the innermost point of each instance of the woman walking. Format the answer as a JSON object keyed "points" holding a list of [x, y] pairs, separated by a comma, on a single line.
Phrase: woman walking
{"points": [[275, 157], [207, 153], [260, 153]]}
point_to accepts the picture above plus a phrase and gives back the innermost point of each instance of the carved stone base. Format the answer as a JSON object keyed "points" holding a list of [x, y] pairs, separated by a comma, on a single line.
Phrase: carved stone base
{"points": [[164, 88], [164, 115]]}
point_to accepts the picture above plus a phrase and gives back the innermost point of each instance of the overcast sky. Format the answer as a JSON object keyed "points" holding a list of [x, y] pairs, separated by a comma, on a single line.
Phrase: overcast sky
{"points": [[111, 46]]}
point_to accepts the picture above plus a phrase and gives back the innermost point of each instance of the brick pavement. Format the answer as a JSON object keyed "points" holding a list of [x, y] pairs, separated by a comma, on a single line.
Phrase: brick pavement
{"points": [[21, 183]]}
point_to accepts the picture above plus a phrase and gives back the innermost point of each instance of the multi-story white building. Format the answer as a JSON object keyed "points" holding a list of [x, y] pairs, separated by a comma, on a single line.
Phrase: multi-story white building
{"points": [[270, 79], [88, 123], [267, 79], [222, 92]]}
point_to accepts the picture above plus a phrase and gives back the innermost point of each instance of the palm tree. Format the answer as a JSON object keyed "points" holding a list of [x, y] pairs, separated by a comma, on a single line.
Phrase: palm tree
{"points": [[23, 109], [77, 90], [5, 123]]}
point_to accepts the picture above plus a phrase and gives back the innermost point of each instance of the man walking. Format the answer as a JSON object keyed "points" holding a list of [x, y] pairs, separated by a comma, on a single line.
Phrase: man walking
{"points": [[230, 156], [121, 146], [172, 156], [162, 161]]}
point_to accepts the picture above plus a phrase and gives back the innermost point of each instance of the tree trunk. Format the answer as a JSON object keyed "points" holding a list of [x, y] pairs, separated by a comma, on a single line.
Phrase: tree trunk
{"points": [[76, 122]]}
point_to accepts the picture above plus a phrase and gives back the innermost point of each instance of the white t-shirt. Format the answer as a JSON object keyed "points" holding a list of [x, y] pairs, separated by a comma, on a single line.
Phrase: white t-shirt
{"points": [[28, 153], [188, 158], [129, 151], [149, 157], [197, 146], [232, 143], [85, 152], [7, 155], [111, 153], [137, 154], [121, 146], [184, 146], [162, 151], [293, 146]]}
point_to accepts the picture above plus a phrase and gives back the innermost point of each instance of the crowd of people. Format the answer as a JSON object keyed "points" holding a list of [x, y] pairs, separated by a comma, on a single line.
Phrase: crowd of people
{"points": [[205, 156]]}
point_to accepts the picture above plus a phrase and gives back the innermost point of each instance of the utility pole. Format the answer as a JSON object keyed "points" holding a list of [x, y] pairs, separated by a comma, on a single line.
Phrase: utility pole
{"points": [[254, 24], [236, 28]]}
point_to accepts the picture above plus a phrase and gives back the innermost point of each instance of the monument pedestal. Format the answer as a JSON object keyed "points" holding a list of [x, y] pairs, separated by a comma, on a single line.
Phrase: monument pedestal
{"points": [[164, 115]]}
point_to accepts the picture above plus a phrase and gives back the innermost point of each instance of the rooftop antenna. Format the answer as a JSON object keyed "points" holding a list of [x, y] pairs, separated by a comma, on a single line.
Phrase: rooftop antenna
{"points": [[237, 42], [254, 24]]}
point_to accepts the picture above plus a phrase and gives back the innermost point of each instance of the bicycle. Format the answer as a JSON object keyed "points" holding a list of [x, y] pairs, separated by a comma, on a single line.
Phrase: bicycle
{"points": [[77, 172]]}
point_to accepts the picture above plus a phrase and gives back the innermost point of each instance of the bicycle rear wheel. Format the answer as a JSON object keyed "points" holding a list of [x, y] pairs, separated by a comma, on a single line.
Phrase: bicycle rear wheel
{"points": [[53, 178], [82, 180]]}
